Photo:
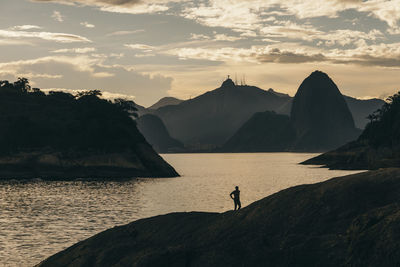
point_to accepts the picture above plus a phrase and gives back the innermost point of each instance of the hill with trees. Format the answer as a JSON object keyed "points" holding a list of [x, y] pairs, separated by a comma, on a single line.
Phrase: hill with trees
{"points": [[60, 135], [378, 146]]}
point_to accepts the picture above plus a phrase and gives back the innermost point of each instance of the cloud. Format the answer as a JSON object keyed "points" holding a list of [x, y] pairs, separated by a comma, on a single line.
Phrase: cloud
{"points": [[143, 47], [382, 55], [275, 55], [25, 27], [309, 33], [255, 54], [119, 33], [87, 24], [86, 72], [194, 36], [49, 36], [82, 50], [7, 41], [57, 16], [119, 6], [224, 37]]}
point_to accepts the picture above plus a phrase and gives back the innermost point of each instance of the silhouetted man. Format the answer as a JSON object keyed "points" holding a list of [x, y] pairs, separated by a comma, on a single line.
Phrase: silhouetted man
{"points": [[235, 195]]}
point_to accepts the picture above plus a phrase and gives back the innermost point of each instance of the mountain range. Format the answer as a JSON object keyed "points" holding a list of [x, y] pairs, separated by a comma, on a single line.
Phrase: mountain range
{"points": [[208, 121]]}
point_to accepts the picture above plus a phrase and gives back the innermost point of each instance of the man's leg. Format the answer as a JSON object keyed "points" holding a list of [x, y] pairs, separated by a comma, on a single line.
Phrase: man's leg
{"points": [[239, 204], [235, 204]]}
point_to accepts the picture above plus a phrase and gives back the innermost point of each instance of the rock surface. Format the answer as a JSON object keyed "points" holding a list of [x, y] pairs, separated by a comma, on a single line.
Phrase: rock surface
{"points": [[347, 221], [320, 115]]}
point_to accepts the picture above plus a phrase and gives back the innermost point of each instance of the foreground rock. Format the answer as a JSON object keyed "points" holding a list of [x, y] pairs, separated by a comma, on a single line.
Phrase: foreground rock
{"points": [[352, 220]]}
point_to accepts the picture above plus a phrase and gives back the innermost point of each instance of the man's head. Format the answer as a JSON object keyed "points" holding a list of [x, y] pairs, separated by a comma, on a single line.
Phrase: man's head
{"points": [[237, 187]]}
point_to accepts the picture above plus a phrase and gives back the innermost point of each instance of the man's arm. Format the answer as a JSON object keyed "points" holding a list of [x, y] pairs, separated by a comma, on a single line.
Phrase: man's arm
{"points": [[231, 195]]}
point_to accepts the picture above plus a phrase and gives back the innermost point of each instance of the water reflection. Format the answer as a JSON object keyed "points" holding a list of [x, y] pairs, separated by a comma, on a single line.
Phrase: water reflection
{"points": [[39, 218]]}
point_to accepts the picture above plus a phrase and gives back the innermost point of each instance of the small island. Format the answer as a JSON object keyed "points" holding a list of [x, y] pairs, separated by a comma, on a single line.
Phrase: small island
{"points": [[63, 136]]}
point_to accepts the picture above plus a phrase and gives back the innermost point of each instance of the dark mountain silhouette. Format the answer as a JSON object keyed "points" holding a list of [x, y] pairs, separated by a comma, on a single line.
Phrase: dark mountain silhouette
{"points": [[277, 93], [211, 118], [66, 136], [347, 221], [320, 115], [378, 146], [166, 101], [263, 132], [140, 110], [360, 109], [153, 129]]}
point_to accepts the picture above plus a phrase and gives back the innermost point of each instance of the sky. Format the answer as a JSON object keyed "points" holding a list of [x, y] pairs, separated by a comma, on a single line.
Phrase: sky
{"points": [[146, 50]]}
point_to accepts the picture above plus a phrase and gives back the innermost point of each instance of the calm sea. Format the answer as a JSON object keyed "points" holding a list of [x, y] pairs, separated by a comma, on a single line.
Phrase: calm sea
{"points": [[39, 218]]}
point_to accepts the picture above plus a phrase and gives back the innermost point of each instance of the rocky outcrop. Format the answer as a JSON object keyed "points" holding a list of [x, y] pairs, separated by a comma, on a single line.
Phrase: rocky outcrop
{"points": [[153, 129], [320, 115], [346, 221]]}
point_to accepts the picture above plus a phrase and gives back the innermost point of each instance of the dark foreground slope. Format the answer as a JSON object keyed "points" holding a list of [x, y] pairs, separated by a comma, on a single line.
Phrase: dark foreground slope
{"points": [[65, 136], [347, 221], [377, 147]]}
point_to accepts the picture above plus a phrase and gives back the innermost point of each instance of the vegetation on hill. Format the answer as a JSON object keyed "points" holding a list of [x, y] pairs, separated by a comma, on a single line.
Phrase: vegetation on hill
{"points": [[77, 126], [31, 119], [378, 146]]}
